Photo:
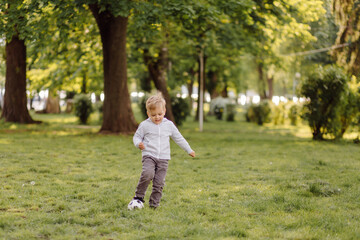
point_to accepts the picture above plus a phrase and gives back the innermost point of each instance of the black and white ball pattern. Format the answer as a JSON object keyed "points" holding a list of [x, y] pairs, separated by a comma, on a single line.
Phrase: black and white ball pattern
{"points": [[135, 204]]}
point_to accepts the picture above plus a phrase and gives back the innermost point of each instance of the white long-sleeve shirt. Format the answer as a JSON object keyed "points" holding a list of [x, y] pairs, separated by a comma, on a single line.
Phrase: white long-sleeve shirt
{"points": [[156, 138]]}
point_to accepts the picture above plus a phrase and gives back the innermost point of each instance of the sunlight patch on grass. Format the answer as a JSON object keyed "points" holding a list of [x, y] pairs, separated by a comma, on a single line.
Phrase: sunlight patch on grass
{"points": [[4, 141]]}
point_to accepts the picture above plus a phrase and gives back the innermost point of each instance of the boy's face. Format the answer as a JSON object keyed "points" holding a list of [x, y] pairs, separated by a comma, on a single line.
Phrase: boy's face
{"points": [[157, 114]]}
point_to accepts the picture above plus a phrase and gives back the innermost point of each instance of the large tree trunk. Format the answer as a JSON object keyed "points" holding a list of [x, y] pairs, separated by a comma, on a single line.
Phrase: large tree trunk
{"points": [[118, 116], [347, 14], [15, 100], [52, 104], [157, 71]]}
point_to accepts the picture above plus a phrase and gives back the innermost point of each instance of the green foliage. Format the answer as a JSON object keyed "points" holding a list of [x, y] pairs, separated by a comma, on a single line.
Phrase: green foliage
{"points": [[259, 113], [279, 113], [142, 107], [230, 112], [294, 113], [62, 40], [354, 101], [286, 31], [180, 108], [83, 107], [348, 111], [331, 104], [284, 112], [69, 55], [23, 18], [115, 7], [325, 30]]}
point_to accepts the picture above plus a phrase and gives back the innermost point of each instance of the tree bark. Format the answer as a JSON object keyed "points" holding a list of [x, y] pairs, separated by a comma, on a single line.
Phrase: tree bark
{"points": [[190, 85], [157, 71], [84, 82], [118, 116], [52, 104], [347, 14], [15, 100], [317, 134], [224, 92], [270, 82], [261, 82], [213, 82]]}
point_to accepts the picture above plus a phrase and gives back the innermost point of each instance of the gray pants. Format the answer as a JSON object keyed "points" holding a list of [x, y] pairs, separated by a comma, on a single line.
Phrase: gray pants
{"points": [[152, 169]]}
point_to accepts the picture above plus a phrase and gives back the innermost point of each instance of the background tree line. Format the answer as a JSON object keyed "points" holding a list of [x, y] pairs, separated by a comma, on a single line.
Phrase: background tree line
{"points": [[102, 46]]}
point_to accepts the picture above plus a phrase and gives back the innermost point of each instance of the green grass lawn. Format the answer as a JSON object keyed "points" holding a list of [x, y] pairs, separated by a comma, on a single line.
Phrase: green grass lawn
{"points": [[60, 180]]}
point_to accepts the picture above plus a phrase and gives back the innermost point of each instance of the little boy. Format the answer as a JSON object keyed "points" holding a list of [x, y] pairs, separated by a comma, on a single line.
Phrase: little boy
{"points": [[152, 137]]}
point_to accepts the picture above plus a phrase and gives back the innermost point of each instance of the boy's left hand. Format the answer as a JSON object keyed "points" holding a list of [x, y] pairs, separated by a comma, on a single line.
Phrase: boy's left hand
{"points": [[192, 154], [141, 146]]}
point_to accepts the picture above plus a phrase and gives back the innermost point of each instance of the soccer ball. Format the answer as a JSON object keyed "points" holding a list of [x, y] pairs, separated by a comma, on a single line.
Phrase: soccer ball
{"points": [[134, 204]]}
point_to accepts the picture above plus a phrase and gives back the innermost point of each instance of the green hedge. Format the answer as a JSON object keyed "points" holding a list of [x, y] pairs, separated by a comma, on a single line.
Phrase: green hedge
{"points": [[259, 113], [83, 107]]}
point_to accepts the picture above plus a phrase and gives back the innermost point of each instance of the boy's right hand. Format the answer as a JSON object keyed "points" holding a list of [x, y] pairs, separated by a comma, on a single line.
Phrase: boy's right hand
{"points": [[141, 146]]}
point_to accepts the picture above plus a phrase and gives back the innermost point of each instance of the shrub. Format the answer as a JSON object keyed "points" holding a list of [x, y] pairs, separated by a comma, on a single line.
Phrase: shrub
{"points": [[294, 113], [356, 122], [230, 112], [142, 106], [355, 90], [218, 111], [348, 110], [279, 113], [83, 107], [259, 114], [284, 111], [180, 108], [330, 107]]}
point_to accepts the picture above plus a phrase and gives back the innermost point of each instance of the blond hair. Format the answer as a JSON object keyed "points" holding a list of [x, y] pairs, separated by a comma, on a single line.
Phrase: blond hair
{"points": [[155, 101]]}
